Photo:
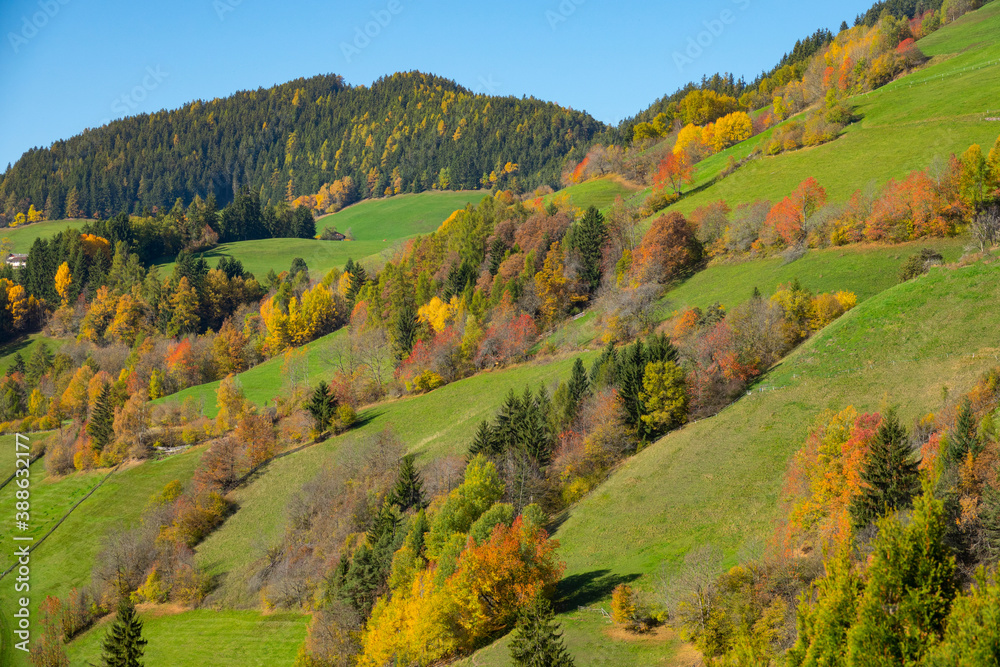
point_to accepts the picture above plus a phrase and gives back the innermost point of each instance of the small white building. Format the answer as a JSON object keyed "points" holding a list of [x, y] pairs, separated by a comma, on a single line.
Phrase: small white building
{"points": [[17, 261]]}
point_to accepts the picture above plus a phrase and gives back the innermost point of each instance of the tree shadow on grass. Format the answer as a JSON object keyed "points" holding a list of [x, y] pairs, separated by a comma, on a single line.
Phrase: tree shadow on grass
{"points": [[582, 590]]}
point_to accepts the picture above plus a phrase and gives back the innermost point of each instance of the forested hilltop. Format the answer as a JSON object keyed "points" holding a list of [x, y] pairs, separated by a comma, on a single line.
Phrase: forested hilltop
{"points": [[407, 132]]}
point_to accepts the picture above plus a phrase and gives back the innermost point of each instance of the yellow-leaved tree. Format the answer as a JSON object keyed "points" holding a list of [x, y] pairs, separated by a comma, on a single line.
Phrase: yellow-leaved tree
{"points": [[63, 282]]}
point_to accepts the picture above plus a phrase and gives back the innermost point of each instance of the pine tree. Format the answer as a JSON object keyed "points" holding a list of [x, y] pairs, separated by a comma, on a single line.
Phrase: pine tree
{"points": [[18, 365], [963, 439], [409, 489], [405, 326], [589, 242], [485, 440], [101, 425], [537, 640], [124, 645], [38, 364], [322, 406], [889, 475], [358, 279], [579, 383]]}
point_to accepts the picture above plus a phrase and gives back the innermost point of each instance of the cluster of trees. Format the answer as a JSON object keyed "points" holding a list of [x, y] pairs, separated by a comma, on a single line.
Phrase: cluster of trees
{"points": [[883, 551], [936, 202], [407, 132]]}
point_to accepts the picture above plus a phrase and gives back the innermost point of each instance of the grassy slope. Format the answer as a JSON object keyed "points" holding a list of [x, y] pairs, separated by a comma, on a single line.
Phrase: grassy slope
{"points": [[599, 192], [931, 113], [400, 216], [24, 236], [206, 637], [437, 424], [378, 226], [717, 481]]}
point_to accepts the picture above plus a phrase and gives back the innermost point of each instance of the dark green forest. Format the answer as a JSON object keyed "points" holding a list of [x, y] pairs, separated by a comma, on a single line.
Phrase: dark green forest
{"points": [[407, 132]]}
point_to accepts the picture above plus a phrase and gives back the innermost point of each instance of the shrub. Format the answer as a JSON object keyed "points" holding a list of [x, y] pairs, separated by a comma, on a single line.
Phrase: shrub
{"points": [[427, 381], [623, 606]]}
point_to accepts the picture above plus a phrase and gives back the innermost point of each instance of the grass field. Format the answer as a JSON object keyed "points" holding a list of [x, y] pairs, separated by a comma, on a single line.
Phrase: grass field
{"points": [[378, 227], [400, 216], [599, 192], [207, 637], [932, 113], [717, 481], [25, 235]]}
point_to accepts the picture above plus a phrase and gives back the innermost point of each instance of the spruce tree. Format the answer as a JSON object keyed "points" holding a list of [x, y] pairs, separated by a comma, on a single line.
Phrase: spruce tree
{"points": [[589, 240], [485, 440], [358, 279], [409, 489], [963, 439], [124, 645], [405, 326], [101, 425], [537, 641], [18, 365], [579, 383], [889, 475], [322, 406]]}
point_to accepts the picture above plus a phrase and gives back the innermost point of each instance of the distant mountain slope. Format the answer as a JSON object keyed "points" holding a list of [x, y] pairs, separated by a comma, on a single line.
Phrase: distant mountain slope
{"points": [[407, 132]]}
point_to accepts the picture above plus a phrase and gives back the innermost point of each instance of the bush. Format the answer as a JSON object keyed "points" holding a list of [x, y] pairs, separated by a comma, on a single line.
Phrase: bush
{"points": [[427, 381], [919, 264]]}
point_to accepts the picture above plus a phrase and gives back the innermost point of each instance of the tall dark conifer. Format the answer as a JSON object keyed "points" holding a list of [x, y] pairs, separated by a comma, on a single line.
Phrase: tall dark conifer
{"points": [[100, 428], [889, 475], [589, 239], [537, 640], [123, 645]]}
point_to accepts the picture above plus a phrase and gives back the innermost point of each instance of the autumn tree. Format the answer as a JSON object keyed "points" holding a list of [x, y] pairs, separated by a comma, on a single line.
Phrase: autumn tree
{"points": [[184, 306], [663, 397], [667, 250], [786, 223], [675, 170], [63, 283], [732, 129], [889, 476]]}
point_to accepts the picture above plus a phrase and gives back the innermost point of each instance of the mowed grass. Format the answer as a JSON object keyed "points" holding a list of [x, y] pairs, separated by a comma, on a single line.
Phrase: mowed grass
{"points": [[932, 113], [600, 192], [23, 236], [433, 425], [717, 481], [220, 638], [400, 216]]}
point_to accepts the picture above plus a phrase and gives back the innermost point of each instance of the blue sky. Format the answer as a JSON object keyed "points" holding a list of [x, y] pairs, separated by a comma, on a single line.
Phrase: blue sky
{"points": [[70, 64]]}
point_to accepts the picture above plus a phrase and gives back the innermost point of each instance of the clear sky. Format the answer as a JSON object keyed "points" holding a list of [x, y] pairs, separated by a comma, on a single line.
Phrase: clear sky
{"points": [[70, 64]]}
